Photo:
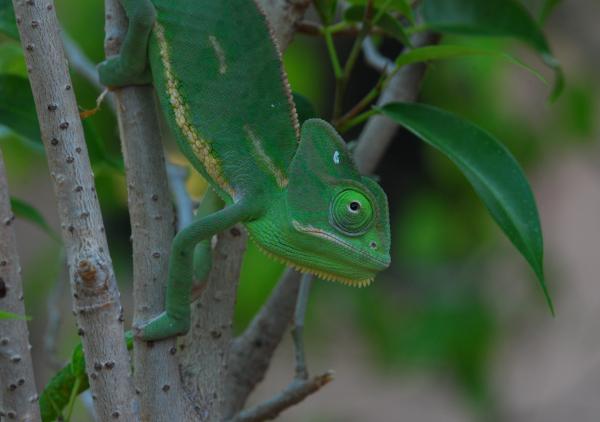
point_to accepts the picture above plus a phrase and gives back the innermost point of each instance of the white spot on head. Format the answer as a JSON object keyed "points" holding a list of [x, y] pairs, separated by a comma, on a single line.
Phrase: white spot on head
{"points": [[272, 105], [336, 157]]}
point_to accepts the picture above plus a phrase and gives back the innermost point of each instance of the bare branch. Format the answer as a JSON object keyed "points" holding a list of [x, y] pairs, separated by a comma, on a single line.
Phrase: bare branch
{"points": [[204, 350], [375, 59], [96, 297], [18, 395], [379, 130], [152, 221], [298, 330], [293, 394], [251, 353]]}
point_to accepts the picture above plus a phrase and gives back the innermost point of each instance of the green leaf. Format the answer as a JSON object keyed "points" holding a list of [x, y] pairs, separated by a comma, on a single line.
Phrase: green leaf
{"points": [[448, 51], [326, 10], [386, 22], [490, 168], [27, 212], [17, 110], [10, 315], [8, 25], [505, 18]]}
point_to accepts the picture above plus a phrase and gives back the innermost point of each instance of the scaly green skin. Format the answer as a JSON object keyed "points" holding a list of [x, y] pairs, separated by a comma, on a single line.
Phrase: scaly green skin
{"points": [[221, 86]]}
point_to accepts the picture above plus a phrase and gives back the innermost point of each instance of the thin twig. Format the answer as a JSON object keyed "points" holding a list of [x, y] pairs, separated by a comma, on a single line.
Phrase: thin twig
{"points": [[96, 297], [18, 397], [251, 353], [152, 218], [293, 394], [375, 59], [301, 371]]}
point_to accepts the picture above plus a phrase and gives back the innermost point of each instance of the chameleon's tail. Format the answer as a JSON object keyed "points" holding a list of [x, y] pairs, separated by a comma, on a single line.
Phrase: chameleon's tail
{"points": [[68, 383]]}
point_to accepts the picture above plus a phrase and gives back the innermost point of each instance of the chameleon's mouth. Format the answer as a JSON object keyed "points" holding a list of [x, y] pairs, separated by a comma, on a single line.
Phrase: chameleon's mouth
{"points": [[315, 271]]}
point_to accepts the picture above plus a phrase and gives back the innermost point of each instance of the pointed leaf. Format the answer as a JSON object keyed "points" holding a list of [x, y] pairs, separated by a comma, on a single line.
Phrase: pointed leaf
{"points": [[23, 210], [490, 168], [8, 25], [506, 18], [326, 10], [448, 51]]}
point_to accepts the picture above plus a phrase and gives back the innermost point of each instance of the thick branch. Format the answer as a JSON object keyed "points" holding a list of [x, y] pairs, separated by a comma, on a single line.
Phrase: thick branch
{"points": [[251, 353], [294, 393], [18, 395], [96, 297], [152, 225], [204, 354]]}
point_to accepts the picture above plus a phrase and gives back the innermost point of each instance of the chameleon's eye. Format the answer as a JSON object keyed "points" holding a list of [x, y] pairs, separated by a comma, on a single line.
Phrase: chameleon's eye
{"points": [[351, 212]]}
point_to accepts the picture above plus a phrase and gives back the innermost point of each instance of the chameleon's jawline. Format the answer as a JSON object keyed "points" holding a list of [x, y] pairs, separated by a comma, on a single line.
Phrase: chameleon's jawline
{"points": [[319, 273]]}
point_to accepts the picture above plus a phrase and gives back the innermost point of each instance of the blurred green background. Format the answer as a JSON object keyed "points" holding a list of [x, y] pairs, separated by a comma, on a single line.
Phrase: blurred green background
{"points": [[431, 312]]}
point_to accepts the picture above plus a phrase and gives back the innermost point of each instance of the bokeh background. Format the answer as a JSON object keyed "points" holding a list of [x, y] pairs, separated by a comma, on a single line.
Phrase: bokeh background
{"points": [[457, 329]]}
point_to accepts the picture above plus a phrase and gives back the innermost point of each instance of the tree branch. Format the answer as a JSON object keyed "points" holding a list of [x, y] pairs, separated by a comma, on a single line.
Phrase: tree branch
{"points": [[283, 16], [18, 395], [96, 297], [293, 394], [379, 130], [205, 348], [251, 353], [152, 225]]}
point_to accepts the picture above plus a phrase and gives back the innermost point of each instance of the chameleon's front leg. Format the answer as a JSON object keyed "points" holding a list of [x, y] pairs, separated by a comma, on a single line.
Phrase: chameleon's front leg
{"points": [[130, 67], [176, 318]]}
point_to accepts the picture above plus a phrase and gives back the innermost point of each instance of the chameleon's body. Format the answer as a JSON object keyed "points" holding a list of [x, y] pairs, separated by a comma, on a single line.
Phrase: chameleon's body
{"points": [[221, 86]]}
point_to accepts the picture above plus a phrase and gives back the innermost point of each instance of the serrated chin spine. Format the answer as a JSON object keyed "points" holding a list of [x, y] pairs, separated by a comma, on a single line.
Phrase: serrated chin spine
{"points": [[319, 273]]}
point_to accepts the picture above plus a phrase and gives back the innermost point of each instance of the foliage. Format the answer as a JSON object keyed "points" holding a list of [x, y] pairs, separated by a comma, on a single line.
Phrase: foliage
{"points": [[436, 332]]}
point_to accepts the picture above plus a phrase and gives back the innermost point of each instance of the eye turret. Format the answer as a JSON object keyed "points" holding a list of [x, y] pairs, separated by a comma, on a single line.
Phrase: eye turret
{"points": [[351, 212]]}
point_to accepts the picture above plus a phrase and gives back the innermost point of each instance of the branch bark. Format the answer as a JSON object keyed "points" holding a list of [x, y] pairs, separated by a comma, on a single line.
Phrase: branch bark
{"points": [[283, 16], [152, 225], [251, 353], [18, 395], [205, 348], [293, 394], [96, 297]]}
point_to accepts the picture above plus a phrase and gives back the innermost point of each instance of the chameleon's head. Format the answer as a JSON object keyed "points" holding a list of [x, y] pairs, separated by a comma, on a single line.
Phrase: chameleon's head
{"points": [[331, 221]]}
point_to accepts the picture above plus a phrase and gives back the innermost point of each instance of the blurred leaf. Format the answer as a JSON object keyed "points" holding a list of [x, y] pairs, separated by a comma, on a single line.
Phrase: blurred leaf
{"points": [[304, 108], [11, 59], [17, 110], [386, 22], [10, 315], [27, 212], [447, 51], [547, 9], [8, 25], [490, 168], [507, 18], [326, 9]]}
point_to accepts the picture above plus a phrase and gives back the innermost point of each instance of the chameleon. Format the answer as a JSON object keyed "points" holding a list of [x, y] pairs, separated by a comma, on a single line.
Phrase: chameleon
{"points": [[219, 78]]}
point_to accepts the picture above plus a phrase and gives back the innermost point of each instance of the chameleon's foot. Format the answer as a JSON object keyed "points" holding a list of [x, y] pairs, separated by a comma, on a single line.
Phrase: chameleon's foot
{"points": [[113, 72], [161, 327]]}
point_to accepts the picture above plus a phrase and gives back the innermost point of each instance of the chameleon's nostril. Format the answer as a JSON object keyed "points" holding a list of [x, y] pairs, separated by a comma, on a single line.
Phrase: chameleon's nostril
{"points": [[373, 245]]}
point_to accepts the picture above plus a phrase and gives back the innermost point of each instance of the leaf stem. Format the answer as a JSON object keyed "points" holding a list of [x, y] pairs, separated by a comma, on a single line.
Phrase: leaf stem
{"points": [[335, 61], [342, 81]]}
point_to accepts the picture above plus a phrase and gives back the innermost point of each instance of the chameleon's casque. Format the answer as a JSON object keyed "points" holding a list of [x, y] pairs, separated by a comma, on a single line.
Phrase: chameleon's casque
{"points": [[221, 85]]}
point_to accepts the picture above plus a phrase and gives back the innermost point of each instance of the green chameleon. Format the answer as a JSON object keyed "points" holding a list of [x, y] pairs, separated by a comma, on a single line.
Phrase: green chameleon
{"points": [[219, 78]]}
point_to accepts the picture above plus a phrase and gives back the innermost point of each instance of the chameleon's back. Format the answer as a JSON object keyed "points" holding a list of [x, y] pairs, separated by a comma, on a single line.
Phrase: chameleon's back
{"points": [[232, 114]]}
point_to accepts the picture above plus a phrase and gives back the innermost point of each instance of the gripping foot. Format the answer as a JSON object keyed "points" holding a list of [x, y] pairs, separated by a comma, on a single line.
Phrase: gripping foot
{"points": [[162, 326]]}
